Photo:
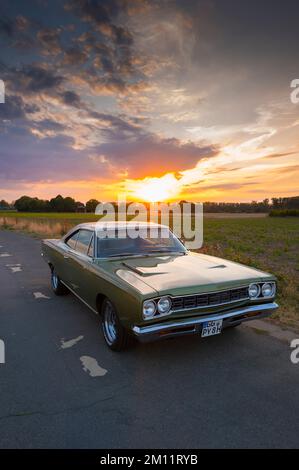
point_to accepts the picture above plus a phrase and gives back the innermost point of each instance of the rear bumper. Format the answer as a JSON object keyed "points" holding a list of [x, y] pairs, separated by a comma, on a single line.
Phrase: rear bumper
{"points": [[194, 325]]}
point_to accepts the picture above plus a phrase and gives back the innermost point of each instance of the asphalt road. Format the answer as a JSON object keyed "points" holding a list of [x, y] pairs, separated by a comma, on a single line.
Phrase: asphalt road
{"points": [[238, 389]]}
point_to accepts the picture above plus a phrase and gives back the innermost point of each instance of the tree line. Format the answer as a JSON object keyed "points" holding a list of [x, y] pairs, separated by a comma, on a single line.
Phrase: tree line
{"points": [[56, 204], [69, 204]]}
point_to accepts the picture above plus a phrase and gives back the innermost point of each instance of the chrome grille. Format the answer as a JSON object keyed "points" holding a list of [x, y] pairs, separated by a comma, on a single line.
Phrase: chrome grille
{"points": [[209, 300]]}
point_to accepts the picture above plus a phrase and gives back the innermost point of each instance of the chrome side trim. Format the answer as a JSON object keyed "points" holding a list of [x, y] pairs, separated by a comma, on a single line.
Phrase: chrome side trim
{"points": [[162, 327], [80, 298]]}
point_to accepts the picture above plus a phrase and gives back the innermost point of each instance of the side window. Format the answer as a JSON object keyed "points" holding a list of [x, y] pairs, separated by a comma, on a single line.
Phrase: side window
{"points": [[71, 241], [90, 249], [83, 241]]}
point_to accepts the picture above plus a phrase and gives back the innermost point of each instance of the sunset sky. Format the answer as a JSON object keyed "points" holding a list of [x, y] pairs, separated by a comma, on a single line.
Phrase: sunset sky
{"points": [[176, 99]]}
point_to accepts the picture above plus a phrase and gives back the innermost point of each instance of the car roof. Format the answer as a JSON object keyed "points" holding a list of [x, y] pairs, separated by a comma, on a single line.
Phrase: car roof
{"points": [[115, 225]]}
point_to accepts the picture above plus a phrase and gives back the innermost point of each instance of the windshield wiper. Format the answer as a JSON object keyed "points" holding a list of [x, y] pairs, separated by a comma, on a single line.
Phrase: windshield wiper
{"points": [[166, 251]]}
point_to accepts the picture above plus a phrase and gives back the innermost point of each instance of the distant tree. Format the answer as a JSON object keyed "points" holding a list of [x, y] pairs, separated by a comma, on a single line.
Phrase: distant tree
{"points": [[4, 204], [57, 203], [91, 205], [61, 204], [285, 202], [23, 204], [80, 207], [69, 205], [31, 204]]}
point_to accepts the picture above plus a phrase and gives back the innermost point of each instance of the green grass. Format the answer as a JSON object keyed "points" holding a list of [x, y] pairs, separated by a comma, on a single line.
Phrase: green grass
{"points": [[50, 215], [270, 244], [284, 213]]}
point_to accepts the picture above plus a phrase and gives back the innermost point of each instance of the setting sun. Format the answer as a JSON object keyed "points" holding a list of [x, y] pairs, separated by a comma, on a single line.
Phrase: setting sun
{"points": [[153, 189]]}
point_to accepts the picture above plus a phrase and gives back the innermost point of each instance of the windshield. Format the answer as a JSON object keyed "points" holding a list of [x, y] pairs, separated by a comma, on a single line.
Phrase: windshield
{"points": [[122, 245]]}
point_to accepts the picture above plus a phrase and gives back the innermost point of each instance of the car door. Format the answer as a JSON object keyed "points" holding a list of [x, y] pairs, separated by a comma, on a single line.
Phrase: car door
{"points": [[66, 251], [80, 264]]}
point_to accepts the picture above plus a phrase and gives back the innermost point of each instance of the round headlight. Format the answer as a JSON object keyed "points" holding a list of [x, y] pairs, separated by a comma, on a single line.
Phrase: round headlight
{"points": [[267, 289], [254, 290], [149, 309], [164, 305]]}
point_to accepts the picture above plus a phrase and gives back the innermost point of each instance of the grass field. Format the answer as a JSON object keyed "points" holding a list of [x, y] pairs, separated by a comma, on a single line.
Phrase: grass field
{"points": [[49, 215], [269, 244]]}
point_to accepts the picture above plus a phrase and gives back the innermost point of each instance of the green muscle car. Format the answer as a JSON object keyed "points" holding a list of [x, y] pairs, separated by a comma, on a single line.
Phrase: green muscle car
{"points": [[152, 287]]}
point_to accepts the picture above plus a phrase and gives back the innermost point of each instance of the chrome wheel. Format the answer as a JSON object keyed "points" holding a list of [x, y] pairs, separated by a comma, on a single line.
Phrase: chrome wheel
{"points": [[54, 280], [57, 286], [109, 324]]}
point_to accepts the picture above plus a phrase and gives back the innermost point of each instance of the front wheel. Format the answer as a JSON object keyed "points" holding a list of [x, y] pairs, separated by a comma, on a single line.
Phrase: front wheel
{"points": [[57, 286], [115, 335]]}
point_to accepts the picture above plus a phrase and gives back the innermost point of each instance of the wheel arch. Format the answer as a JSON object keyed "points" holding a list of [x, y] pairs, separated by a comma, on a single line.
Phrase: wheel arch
{"points": [[99, 301], [51, 265]]}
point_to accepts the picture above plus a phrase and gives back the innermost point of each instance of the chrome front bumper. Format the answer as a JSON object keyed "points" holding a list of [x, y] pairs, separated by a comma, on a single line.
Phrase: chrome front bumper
{"points": [[194, 325]]}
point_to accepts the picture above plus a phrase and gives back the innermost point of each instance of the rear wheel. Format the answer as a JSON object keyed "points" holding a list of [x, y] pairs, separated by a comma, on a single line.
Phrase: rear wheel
{"points": [[115, 334], [57, 286]]}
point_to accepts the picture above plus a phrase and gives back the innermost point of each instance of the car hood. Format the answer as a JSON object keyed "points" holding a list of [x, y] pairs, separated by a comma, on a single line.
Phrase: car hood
{"points": [[187, 274]]}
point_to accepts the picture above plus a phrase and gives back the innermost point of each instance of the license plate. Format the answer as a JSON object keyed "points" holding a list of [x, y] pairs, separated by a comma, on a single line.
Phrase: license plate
{"points": [[210, 328]]}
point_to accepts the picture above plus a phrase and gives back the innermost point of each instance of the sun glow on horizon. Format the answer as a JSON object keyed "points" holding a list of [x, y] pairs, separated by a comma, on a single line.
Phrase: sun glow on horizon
{"points": [[154, 189]]}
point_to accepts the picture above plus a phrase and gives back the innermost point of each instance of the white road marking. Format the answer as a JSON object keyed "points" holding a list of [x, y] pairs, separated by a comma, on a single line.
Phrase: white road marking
{"points": [[5, 255], [91, 366], [15, 268], [39, 295], [71, 342]]}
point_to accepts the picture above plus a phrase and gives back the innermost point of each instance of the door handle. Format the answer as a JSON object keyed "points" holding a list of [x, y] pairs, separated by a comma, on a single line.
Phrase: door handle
{"points": [[66, 256]]}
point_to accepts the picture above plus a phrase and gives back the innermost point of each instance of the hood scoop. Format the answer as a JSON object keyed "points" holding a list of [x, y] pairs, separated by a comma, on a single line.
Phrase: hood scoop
{"points": [[142, 271]]}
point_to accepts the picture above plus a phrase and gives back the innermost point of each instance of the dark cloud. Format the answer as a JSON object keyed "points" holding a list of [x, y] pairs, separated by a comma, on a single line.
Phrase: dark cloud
{"points": [[116, 128], [150, 155], [22, 23], [16, 31], [49, 125], [7, 27], [15, 108], [75, 56], [71, 98], [49, 39], [111, 43], [97, 11], [34, 78]]}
